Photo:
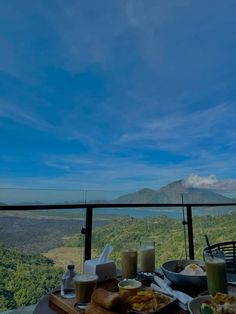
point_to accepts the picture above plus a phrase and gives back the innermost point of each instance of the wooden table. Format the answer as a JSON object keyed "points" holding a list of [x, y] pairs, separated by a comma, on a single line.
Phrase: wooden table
{"points": [[46, 307]]}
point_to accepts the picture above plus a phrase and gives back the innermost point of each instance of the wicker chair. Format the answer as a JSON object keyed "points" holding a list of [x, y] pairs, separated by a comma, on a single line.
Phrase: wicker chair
{"points": [[229, 248]]}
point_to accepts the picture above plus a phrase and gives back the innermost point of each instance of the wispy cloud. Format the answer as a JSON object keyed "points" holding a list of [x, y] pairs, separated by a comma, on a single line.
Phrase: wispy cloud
{"points": [[127, 94], [177, 132], [30, 116], [24, 116]]}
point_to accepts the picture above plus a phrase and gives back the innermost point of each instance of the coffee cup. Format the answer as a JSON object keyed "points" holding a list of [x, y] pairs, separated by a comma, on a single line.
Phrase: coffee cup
{"points": [[84, 287]]}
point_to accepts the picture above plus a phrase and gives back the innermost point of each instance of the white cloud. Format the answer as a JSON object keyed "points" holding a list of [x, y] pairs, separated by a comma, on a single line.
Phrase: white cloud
{"points": [[132, 44], [210, 182], [196, 181]]}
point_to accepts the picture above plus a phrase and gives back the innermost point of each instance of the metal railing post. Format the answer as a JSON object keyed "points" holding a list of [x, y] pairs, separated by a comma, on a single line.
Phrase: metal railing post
{"points": [[88, 233], [190, 232]]}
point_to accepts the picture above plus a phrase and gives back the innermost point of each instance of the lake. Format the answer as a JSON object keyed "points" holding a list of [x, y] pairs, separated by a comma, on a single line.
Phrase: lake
{"points": [[176, 213]]}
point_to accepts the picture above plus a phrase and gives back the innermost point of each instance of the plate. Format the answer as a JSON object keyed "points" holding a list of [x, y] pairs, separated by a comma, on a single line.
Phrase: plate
{"points": [[170, 301], [195, 305]]}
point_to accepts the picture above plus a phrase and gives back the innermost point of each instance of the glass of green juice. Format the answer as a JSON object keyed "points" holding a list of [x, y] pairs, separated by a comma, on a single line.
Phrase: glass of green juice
{"points": [[216, 272]]}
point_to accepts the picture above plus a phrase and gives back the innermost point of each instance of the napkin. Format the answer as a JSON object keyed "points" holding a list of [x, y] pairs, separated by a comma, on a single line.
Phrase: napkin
{"points": [[162, 286], [105, 253]]}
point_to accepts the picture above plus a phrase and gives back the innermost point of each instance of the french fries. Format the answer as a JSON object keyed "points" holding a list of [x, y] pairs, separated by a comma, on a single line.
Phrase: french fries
{"points": [[148, 301]]}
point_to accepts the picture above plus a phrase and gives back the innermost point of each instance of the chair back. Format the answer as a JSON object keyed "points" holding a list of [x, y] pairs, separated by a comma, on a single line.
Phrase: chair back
{"points": [[229, 248]]}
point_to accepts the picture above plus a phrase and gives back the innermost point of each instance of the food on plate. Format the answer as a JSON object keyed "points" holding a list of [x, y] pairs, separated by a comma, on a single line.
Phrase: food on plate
{"points": [[148, 301], [193, 270], [207, 307], [220, 303], [105, 298]]}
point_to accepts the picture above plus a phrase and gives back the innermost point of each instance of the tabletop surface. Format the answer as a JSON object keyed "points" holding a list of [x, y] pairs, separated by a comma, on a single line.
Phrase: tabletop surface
{"points": [[46, 307], [43, 307]]}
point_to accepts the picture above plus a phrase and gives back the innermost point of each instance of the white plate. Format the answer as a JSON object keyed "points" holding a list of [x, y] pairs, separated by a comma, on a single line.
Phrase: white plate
{"points": [[195, 305]]}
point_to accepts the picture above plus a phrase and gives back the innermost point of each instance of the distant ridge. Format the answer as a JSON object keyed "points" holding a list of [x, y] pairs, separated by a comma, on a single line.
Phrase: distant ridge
{"points": [[172, 193]]}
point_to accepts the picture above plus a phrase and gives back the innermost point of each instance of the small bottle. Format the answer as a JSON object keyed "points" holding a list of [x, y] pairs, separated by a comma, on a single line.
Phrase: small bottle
{"points": [[67, 286]]}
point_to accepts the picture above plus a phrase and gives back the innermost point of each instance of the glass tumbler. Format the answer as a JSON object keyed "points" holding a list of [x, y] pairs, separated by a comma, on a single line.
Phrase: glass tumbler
{"points": [[147, 256], [129, 258], [216, 272]]}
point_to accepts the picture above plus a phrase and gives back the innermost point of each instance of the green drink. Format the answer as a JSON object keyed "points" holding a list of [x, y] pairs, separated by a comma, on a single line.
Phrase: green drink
{"points": [[216, 272]]}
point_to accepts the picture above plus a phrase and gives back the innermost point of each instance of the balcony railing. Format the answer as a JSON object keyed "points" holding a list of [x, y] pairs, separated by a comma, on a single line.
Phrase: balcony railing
{"points": [[87, 230]]}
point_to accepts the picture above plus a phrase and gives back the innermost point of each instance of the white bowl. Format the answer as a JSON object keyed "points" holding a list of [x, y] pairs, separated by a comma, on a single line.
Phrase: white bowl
{"points": [[194, 306]]}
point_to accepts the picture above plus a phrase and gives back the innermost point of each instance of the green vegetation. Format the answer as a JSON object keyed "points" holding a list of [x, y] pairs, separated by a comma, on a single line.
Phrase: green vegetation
{"points": [[39, 235], [125, 229], [25, 278], [167, 233]]}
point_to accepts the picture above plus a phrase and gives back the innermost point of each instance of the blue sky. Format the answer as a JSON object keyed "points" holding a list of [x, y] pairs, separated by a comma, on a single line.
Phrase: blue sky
{"points": [[117, 95]]}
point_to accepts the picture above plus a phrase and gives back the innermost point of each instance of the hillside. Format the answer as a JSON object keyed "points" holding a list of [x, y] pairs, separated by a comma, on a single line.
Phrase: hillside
{"points": [[25, 278], [169, 244], [39, 234]]}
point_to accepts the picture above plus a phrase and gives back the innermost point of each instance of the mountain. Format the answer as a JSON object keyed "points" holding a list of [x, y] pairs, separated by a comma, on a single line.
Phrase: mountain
{"points": [[173, 193]]}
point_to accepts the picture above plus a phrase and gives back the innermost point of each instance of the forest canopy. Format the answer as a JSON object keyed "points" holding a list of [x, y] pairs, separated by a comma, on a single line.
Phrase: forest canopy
{"points": [[25, 278]]}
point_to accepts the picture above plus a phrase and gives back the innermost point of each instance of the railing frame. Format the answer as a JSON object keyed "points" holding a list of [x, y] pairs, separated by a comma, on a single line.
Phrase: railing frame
{"points": [[89, 216]]}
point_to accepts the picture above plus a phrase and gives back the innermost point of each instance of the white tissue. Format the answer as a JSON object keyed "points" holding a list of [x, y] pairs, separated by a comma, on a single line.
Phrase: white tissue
{"points": [[105, 253], [182, 297]]}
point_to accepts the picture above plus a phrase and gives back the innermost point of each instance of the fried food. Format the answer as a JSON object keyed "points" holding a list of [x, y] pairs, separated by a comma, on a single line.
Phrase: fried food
{"points": [[224, 303], [220, 303], [148, 301]]}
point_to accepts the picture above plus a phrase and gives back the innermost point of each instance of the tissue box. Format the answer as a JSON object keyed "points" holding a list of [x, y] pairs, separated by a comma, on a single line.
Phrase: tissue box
{"points": [[104, 270]]}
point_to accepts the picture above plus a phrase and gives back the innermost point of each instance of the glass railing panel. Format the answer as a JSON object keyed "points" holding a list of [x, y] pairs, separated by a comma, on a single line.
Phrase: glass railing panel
{"points": [[27, 196], [217, 222], [163, 225], [35, 250], [35, 247], [49, 239]]}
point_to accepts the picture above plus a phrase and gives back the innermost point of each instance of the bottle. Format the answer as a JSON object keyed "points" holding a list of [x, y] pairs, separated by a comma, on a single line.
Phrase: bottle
{"points": [[67, 285]]}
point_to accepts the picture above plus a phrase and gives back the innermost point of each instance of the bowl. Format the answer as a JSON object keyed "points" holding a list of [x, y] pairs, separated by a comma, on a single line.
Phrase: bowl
{"points": [[178, 279], [129, 287], [194, 306]]}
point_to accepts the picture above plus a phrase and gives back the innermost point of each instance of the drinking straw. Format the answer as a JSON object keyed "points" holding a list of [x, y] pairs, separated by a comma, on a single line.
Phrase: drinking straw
{"points": [[208, 245]]}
